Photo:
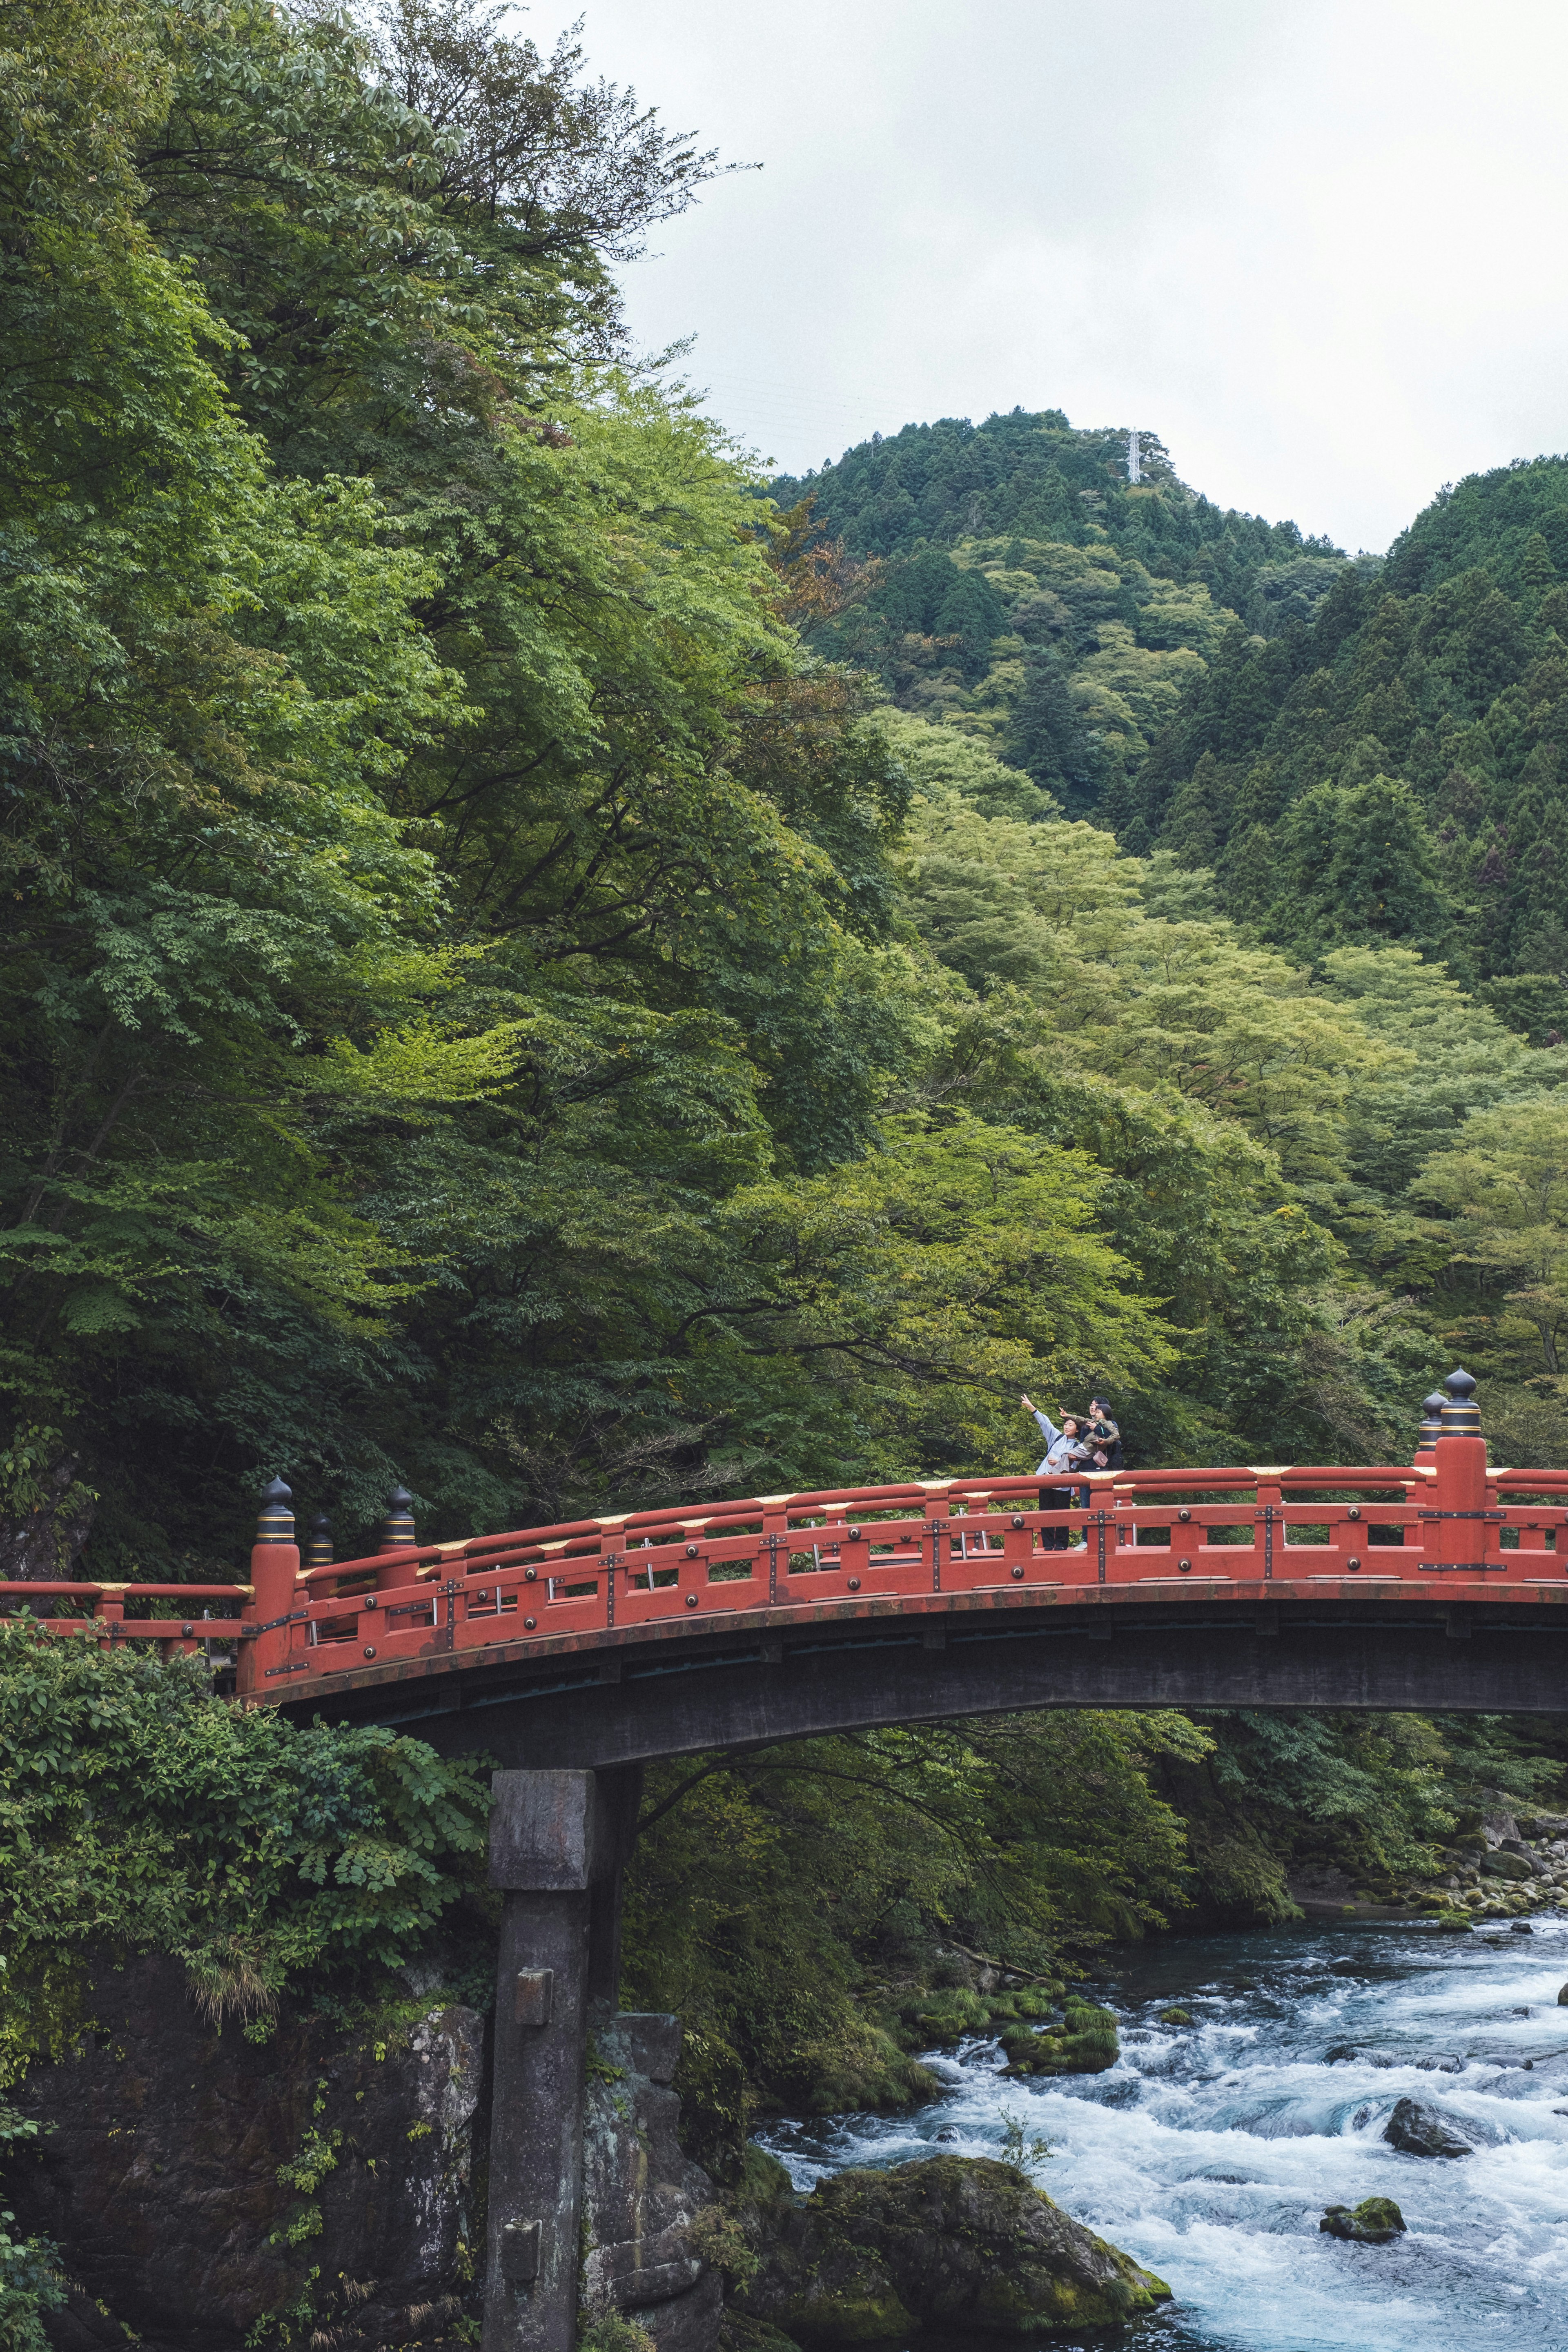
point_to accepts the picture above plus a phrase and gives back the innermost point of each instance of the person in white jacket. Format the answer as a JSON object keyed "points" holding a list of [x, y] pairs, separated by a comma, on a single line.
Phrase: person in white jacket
{"points": [[1064, 1451]]}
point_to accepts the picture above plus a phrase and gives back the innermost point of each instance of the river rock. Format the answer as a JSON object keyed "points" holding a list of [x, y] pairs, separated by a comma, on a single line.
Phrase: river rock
{"points": [[644, 2201], [963, 2245], [1175, 2017], [1421, 2130], [1373, 2223]]}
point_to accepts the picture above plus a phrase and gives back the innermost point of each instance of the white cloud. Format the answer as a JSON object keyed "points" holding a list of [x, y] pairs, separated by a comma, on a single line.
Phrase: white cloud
{"points": [[1317, 247]]}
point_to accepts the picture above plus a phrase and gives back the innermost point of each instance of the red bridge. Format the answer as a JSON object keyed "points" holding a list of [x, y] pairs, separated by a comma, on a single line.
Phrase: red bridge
{"points": [[618, 1639], [579, 1653]]}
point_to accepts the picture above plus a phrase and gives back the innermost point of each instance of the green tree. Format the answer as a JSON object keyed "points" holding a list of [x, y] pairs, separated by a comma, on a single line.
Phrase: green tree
{"points": [[1358, 863], [1045, 735], [1504, 1185]]}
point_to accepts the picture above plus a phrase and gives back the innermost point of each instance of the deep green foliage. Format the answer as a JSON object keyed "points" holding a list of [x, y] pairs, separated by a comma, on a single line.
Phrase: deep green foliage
{"points": [[795, 1905], [140, 1813], [30, 2280]]}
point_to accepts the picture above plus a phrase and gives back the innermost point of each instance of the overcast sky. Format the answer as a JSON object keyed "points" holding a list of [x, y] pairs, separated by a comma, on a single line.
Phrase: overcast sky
{"points": [[1318, 245]]}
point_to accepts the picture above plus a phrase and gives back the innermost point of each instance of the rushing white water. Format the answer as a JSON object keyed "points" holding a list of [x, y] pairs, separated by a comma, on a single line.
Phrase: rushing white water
{"points": [[1209, 2152]]}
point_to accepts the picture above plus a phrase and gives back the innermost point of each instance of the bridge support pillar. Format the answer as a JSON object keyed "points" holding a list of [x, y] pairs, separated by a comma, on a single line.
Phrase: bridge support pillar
{"points": [[558, 1847]]}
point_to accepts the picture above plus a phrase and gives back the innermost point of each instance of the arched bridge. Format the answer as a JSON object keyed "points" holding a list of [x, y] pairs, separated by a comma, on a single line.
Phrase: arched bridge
{"points": [[577, 1654], [1439, 1585]]}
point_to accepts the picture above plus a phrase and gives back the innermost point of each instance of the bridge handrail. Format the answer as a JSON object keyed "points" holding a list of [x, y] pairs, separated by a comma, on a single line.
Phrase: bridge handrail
{"points": [[1445, 1523], [1256, 1528], [480, 1551]]}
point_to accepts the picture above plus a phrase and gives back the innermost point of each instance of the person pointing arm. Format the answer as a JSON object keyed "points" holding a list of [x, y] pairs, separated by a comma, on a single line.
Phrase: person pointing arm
{"points": [[1048, 1429]]}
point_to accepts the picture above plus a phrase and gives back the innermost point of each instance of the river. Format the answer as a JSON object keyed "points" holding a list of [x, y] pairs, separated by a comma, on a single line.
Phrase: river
{"points": [[1209, 2151]]}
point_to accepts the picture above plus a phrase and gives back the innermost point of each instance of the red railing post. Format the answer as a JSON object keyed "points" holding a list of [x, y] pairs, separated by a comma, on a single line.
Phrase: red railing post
{"points": [[1460, 1489], [274, 1566]]}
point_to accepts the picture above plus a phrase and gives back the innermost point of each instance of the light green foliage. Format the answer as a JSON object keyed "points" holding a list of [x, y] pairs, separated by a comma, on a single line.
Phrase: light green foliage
{"points": [[614, 2332], [139, 1812], [944, 764], [1024, 2149], [1504, 1183]]}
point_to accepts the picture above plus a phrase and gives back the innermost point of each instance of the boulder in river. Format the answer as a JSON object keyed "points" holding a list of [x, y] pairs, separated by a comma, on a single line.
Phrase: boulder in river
{"points": [[1175, 2017], [1563, 1998], [1421, 2130], [1373, 2223], [965, 2246], [1086, 2044]]}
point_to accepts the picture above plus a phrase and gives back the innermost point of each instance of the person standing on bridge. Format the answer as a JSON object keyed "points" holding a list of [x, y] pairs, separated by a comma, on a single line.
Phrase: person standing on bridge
{"points": [[1064, 1451], [1103, 1436], [1103, 1439]]}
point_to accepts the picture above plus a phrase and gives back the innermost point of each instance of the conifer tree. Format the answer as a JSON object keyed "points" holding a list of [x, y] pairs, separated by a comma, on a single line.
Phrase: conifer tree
{"points": [[1537, 572], [1046, 737], [1251, 873], [1195, 830], [1359, 864]]}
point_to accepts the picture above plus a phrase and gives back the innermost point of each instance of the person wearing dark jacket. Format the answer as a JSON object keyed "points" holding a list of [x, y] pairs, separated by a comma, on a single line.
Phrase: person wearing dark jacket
{"points": [[1103, 1436], [1103, 1441]]}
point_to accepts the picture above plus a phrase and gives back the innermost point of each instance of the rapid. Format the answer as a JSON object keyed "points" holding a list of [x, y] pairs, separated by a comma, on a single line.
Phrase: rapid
{"points": [[1208, 2152]]}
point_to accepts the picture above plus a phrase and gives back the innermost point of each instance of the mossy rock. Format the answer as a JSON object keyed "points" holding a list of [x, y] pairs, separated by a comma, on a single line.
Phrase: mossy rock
{"points": [[860, 2066], [1086, 2044], [1506, 1866], [1177, 2017], [763, 2179], [1454, 1923], [739, 2333], [963, 2246], [1083, 2016], [946, 2016], [1034, 2001], [1066, 2053], [1373, 2223]]}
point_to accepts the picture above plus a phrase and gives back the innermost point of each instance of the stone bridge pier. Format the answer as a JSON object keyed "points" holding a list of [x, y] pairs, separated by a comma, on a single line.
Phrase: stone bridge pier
{"points": [[559, 1841]]}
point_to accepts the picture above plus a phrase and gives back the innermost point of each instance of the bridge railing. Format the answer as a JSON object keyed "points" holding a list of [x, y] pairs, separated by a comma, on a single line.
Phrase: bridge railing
{"points": [[1445, 1522], [110, 1611]]}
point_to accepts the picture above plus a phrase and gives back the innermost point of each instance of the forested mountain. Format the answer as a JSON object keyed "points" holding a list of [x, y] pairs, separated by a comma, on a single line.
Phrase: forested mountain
{"points": [[1391, 770], [1015, 583]]}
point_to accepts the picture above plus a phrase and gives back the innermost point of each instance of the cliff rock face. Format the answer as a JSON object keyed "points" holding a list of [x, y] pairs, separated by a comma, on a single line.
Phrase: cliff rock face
{"points": [[641, 2196], [159, 2176], [963, 2246]]}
